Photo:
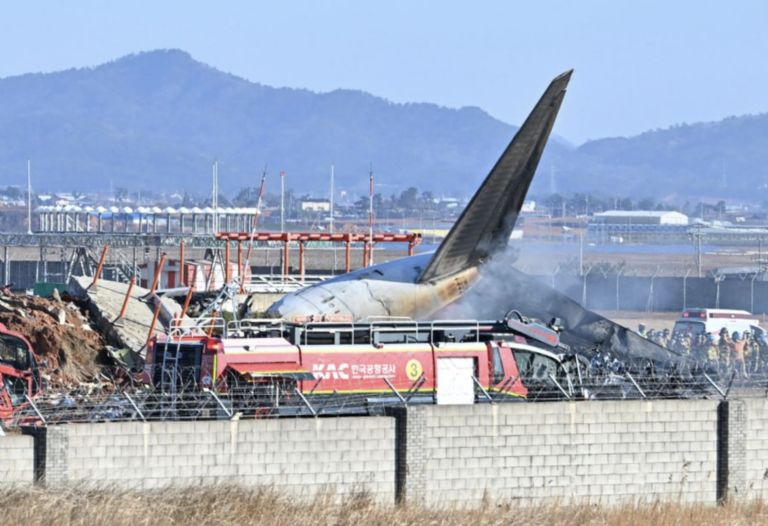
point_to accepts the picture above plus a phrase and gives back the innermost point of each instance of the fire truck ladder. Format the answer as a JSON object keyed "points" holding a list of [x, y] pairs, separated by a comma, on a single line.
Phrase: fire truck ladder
{"points": [[169, 378], [176, 400]]}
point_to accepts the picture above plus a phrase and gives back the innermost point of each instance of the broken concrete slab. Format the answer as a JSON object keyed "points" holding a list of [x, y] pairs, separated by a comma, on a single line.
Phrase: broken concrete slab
{"points": [[105, 301]]}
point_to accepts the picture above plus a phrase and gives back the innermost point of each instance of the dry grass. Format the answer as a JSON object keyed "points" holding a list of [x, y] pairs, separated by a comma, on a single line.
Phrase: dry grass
{"points": [[237, 506]]}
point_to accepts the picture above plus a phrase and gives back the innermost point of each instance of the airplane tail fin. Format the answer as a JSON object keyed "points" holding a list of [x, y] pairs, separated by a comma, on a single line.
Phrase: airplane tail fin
{"points": [[486, 223]]}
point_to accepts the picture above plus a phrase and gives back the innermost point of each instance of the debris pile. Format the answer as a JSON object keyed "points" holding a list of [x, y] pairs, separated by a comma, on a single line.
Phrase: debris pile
{"points": [[60, 333], [94, 335]]}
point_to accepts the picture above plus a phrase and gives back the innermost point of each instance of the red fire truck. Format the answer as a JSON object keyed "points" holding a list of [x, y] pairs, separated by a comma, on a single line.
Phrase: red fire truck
{"points": [[19, 374], [441, 362]]}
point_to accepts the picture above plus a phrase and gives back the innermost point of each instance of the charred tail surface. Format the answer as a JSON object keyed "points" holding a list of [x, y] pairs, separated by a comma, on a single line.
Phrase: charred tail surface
{"points": [[487, 222]]}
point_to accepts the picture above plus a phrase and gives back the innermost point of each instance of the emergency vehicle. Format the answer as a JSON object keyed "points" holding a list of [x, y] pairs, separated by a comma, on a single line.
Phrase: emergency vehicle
{"points": [[712, 321], [19, 373], [445, 362]]}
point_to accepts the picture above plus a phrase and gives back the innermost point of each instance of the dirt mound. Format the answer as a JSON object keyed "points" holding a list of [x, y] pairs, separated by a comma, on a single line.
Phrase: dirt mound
{"points": [[60, 334]]}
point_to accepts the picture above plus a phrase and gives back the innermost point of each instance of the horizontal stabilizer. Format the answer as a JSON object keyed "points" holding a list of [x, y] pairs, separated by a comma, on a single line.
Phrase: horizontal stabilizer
{"points": [[487, 222]]}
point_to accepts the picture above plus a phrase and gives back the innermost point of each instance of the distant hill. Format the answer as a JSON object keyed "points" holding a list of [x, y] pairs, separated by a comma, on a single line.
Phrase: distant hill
{"points": [[725, 159], [157, 120]]}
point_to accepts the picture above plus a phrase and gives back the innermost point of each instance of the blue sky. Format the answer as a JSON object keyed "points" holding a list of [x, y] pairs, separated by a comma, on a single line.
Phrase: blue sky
{"points": [[639, 66]]}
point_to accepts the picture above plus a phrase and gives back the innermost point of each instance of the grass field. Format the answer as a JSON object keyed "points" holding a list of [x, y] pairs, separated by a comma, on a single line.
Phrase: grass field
{"points": [[236, 506]]}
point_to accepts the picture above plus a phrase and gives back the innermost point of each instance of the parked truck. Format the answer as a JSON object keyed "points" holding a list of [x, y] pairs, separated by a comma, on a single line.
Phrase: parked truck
{"points": [[272, 362]]}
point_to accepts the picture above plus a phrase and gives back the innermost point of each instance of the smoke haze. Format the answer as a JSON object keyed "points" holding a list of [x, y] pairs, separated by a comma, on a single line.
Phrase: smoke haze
{"points": [[502, 288]]}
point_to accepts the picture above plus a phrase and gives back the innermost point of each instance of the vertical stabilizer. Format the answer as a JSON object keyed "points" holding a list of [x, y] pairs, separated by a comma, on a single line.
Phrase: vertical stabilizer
{"points": [[487, 222]]}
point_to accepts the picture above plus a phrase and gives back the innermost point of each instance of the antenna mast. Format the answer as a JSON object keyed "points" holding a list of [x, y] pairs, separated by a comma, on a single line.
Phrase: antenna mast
{"points": [[29, 196], [255, 219], [258, 201]]}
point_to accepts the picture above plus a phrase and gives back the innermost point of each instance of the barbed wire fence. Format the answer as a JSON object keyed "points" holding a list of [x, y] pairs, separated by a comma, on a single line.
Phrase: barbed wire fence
{"points": [[110, 402]]}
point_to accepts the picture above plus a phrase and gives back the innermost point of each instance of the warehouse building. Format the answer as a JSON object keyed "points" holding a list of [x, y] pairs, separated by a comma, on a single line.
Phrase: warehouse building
{"points": [[620, 226]]}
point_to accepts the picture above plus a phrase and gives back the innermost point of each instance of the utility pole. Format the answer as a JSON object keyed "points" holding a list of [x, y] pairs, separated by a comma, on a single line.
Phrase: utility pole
{"points": [[29, 196], [282, 201], [215, 197], [370, 216], [330, 225], [698, 250], [331, 222]]}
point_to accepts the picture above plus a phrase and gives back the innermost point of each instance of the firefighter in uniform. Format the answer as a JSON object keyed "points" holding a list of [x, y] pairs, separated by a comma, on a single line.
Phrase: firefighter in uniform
{"points": [[762, 346], [723, 346], [737, 345], [700, 348], [685, 344], [712, 353], [748, 351], [664, 338], [675, 344]]}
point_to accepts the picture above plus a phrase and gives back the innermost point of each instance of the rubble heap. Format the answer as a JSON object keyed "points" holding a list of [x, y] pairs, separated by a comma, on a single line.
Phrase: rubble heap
{"points": [[60, 333]]}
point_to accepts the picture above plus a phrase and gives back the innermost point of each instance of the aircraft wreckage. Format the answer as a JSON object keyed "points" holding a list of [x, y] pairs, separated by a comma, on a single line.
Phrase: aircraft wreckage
{"points": [[421, 286]]}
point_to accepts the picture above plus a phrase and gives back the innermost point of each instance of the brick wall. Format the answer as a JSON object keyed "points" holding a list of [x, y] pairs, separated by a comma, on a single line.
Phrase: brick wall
{"points": [[301, 457], [596, 452], [16, 460], [756, 448]]}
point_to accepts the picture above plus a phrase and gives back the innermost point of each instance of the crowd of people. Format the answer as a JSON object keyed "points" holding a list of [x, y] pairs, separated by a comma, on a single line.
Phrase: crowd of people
{"points": [[745, 353]]}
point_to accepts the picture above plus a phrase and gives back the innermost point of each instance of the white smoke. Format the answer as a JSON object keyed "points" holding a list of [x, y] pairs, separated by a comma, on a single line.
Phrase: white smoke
{"points": [[489, 297]]}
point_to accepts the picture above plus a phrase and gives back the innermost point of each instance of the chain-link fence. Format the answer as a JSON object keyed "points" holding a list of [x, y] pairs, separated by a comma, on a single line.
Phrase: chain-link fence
{"points": [[611, 289]]}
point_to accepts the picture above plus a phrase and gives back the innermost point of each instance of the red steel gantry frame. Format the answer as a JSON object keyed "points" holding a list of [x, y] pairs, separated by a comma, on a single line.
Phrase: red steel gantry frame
{"points": [[303, 237]]}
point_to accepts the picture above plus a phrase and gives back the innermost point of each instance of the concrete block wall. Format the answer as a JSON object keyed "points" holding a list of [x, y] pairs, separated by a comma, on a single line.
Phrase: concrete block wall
{"points": [[587, 452], [756, 448], [732, 453], [300, 457], [16, 460], [697, 451]]}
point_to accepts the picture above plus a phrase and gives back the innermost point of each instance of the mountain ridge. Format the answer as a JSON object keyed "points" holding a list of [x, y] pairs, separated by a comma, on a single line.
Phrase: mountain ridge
{"points": [[158, 119]]}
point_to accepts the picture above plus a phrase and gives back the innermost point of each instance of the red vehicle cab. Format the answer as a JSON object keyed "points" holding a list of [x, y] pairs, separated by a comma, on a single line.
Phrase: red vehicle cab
{"points": [[19, 373], [440, 362]]}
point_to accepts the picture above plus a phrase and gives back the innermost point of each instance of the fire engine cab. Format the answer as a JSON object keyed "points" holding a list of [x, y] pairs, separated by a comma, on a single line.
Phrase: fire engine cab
{"points": [[19, 374], [445, 362]]}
